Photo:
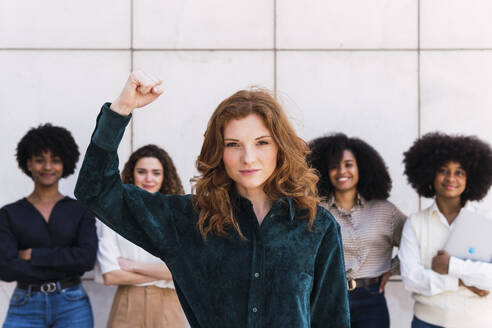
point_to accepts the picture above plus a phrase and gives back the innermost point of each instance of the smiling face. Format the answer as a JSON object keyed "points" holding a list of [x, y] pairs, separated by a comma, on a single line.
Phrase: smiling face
{"points": [[345, 175], [46, 169], [450, 180], [148, 174], [250, 153]]}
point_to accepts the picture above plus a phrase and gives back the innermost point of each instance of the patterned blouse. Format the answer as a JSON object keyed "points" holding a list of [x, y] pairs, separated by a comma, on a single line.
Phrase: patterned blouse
{"points": [[370, 230]]}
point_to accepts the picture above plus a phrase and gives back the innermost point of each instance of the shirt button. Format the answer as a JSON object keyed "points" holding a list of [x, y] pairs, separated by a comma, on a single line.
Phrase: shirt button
{"points": [[257, 274], [255, 310]]}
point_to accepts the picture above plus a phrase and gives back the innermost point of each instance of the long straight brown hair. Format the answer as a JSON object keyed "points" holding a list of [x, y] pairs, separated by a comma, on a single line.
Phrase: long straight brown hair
{"points": [[291, 178]]}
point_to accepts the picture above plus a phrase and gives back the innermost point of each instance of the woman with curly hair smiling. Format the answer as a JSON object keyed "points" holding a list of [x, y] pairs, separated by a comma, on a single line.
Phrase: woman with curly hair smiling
{"points": [[448, 291], [47, 240], [355, 185], [145, 294], [251, 247]]}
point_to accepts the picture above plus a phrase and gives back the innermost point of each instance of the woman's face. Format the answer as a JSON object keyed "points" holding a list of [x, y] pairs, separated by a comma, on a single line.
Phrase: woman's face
{"points": [[250, 153], [450, 180], [345, 175], [46, 169], [148, 174]]}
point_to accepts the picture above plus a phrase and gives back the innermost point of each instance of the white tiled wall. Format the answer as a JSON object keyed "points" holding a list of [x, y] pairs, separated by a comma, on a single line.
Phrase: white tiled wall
{"points": [[456, 24], [382, 70], [346, 24], [208, 24], [65, 24]]}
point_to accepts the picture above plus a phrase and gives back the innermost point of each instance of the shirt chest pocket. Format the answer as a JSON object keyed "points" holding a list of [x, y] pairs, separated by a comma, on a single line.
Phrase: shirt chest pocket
{"points": [[293, 269], [300, 283]]}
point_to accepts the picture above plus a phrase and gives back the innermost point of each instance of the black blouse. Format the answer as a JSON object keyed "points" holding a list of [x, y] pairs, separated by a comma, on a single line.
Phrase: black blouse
{"points": [[62, 248]]}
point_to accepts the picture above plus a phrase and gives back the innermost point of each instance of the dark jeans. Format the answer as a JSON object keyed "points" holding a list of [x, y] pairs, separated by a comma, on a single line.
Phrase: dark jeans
{"points": [[68, 308], [417, 323], [368, 308]]}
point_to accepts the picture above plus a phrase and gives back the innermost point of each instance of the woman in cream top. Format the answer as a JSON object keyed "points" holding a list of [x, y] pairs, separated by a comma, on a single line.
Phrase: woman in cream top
{"points": [[448, 291], [146, 296]]}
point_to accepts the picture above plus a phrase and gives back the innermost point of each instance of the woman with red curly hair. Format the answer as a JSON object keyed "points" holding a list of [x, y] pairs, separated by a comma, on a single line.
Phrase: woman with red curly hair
{"points": [[251, 247]]}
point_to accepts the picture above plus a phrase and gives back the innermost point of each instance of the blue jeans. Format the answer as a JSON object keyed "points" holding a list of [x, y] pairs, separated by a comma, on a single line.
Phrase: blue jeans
{"points": [[69, 307], [417, 323], [368, 308]]}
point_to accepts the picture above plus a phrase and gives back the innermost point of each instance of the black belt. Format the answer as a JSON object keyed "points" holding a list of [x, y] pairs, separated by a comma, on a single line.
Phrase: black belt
{"points": [[49, 287], [361, 282]]}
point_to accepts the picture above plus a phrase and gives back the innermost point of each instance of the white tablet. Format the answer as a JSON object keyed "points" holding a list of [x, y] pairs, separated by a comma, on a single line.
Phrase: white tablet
{"points": [[471, 237]]}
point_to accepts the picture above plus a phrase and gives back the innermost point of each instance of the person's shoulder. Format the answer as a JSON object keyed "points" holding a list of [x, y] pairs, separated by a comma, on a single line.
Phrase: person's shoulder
{"points": [[180, 205], [324, 218], [422, 214], [72, 202], [479, 210], [74, 207], [178, 200], [14, 205], [381, 204], [15, 210]]}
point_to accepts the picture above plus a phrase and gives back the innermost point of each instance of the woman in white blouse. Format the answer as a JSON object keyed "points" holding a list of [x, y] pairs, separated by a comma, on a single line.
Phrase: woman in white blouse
{"points": [[448, 291], [145, 295]]}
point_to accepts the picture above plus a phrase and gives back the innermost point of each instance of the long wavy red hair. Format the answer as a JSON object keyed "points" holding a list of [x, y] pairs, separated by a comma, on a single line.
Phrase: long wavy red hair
{"points": [[292, 177]]}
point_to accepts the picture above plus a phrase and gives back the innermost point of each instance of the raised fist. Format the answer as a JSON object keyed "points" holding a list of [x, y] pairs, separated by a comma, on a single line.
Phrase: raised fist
{"points": [[140, 89]]}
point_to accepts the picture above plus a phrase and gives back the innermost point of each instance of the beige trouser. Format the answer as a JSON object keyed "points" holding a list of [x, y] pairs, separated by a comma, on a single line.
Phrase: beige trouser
{"points": [[146, 307]]}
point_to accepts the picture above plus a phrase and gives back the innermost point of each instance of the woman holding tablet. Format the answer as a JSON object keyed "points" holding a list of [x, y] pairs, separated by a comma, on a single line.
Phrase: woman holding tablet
{"points": [[448, 291], [251, 247]]}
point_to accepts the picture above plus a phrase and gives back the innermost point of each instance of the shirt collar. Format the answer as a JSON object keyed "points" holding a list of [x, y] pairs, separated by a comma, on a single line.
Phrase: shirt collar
{"points": [[242, 203], [359, 203], [290, 204], [434, 211]]}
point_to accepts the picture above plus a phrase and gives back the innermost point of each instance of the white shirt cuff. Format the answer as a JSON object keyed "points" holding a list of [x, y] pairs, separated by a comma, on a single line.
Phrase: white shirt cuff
{"points": [[455, 265], [445, 282]]}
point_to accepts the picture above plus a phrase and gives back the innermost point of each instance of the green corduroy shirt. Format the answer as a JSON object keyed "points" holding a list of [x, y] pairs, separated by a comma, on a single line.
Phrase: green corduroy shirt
{"points": [[281, 275]]}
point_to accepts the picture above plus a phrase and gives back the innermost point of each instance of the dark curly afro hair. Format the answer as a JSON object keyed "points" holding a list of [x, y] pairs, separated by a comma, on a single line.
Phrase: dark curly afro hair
{"points": [[326, 152], [46, 138], [432, 150], [172, 182]]}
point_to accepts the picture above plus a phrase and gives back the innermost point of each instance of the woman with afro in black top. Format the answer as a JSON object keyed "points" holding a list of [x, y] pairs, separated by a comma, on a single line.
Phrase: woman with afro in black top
{"points": [[355, 185], [47, 240], [448, 291]]}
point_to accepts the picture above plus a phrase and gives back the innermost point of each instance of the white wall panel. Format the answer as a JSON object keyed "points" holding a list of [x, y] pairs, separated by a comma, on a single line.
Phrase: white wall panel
{"points": [[456, 95], [400, 304], [203, 24], [456, 24], [68, 24], [65, 88], [371, 95], [343, 24], [6, 289], [195, 83]]}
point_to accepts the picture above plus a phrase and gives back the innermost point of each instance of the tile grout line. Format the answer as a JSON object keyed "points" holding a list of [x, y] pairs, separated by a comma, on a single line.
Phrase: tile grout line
{"points": [[419, 92], [275, 47], [132, 124], [250, 49]]}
